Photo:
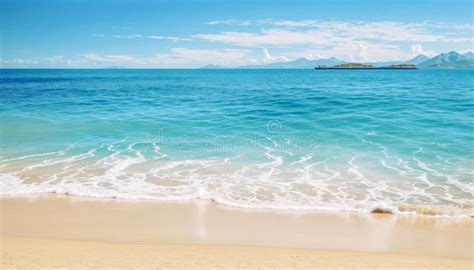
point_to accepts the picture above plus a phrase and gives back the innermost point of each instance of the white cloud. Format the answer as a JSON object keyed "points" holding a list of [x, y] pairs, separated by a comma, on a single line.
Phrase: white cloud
{"points": [[97, 58], [295, 23], [353, 41], [138, 36], [20, 62], [281, 40], [325, 33], [366, 52], [175, 58], [268, 58], [354, 52], [127, 36], [362, 54], [289, 23], [268, 21], [313, 32], [320, 23], [179, 57], [169, 38], [271, 37], [417, 49], [231, 22]]}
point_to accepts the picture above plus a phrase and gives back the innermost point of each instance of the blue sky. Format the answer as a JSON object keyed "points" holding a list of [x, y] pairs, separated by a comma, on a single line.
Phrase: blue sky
{"points": [[231, 33]]}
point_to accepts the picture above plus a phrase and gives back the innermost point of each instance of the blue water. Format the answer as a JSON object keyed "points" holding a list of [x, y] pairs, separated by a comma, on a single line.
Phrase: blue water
{"points": [[298, 139]]}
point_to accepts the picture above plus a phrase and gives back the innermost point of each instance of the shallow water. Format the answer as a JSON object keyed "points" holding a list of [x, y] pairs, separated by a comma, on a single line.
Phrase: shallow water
{"points": [[301, 139]]}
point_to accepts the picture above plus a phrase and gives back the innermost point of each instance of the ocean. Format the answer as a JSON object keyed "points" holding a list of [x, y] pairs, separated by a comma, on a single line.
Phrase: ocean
{"points": [[340, 140]]}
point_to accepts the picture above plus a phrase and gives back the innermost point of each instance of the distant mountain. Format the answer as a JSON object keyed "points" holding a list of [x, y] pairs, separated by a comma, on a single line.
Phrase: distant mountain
{"points": [[211, 66], [414, 61], [301, 63], [417, 60], [469, 54], [448, 60], [445, 60], [114, 67]]}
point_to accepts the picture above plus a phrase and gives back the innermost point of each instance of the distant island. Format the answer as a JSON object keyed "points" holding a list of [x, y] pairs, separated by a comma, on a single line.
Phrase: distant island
{"points": [[450, 60], [366, 66], [211, 66]]}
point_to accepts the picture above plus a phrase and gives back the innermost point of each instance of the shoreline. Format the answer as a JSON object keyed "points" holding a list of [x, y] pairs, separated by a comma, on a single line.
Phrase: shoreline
{"points": [[404, 209], [203, 222]]}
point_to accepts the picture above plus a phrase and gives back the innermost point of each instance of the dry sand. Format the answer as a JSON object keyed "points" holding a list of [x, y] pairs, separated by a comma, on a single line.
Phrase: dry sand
{"points": [[30, 253], [63, 232]]}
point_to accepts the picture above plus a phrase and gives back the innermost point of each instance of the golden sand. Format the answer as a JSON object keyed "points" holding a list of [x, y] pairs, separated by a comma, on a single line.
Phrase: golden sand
{"points": [[30, 253], [71, 233]]}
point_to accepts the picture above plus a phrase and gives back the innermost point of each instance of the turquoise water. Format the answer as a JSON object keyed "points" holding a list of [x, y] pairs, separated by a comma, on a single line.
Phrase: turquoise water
{"points": [[286, 139]]}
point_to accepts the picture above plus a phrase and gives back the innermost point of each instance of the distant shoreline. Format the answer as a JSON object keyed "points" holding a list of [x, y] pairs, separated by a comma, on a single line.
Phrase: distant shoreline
{"points": [[366, 68]]}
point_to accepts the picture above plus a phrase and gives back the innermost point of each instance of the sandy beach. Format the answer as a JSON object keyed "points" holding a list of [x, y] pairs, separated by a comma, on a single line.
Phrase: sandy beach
{"points": [[31, 253], [71, 233]]}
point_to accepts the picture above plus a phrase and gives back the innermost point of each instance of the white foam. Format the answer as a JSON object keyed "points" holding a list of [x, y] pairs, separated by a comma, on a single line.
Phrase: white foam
{"points": [[307, 182]]}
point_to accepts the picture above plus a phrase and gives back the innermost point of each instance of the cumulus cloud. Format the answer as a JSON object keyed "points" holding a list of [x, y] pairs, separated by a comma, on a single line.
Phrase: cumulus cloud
{"points": [[417, 49], [350, 40], [354, 52], [366, 52]]}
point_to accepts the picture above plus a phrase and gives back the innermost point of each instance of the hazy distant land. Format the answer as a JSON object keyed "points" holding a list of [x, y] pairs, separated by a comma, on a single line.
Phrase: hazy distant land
{"points": [[365, 66], [448, 60]]}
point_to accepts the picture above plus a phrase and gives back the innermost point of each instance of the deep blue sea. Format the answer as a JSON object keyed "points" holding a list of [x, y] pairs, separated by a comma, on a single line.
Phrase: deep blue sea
{"points": [[286, 139]]}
